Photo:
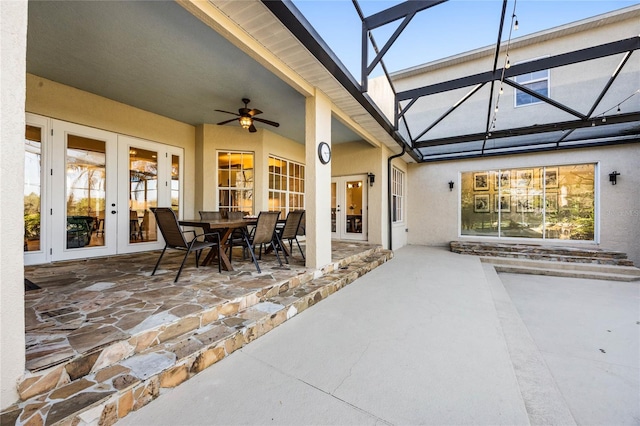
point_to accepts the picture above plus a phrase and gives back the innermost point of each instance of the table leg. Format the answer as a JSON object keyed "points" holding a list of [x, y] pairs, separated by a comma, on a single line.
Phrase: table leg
{"points": [[224, 259]]}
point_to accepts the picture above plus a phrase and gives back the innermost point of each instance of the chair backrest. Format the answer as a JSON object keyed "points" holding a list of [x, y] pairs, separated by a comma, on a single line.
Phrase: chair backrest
{"points": [[265, 227], [291, 225], [205, 215], [133, 215], [303, 224], [235, 215], [169, 227]]}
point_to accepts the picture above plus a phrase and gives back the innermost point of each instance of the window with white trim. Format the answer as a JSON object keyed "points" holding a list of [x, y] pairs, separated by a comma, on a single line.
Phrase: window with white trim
{"points": [[286, 185], [235, 181], [397, 195], [537, 81]]}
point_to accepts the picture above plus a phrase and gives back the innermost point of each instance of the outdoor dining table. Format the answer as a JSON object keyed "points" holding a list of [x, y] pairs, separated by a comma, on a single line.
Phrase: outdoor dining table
{"points": [[225, 227]]}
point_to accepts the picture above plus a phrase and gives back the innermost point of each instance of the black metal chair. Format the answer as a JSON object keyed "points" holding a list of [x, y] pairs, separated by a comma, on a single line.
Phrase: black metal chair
{"points": [[264, 233], [210, 215], [174, 238], [289, 231]]}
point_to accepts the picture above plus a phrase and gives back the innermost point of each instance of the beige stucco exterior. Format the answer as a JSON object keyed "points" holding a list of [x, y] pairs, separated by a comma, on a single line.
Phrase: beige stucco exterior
{"points": [[13, 41], [211, 139], [434, 210], [55, 100]]}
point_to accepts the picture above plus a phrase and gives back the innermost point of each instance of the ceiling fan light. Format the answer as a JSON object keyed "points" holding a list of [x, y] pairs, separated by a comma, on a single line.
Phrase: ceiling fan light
{"points": [[245, 122]]}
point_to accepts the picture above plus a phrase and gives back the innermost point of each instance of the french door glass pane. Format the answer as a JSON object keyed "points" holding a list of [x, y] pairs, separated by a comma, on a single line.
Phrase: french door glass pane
{"points": [[85, 191], [354, 203], [143, 196], [32, 187], [175, 183], [333, 206]]}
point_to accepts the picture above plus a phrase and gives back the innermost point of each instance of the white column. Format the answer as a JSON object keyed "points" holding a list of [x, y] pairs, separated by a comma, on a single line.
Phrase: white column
{"points": [[317, 182], [13, 48]]}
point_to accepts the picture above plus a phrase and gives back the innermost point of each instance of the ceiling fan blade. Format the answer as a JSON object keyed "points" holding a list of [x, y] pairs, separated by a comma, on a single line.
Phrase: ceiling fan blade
{"points": [[228, 121], [271, 123], [252, 129], [254, 112], [228, 112]]}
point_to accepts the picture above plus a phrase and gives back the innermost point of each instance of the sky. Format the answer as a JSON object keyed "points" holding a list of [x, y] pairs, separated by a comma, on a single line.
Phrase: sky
{"points": [[447, 29]]}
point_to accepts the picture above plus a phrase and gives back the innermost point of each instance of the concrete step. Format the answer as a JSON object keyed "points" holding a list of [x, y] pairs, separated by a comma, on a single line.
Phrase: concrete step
{"points": [[176, 352], [565, 269]]}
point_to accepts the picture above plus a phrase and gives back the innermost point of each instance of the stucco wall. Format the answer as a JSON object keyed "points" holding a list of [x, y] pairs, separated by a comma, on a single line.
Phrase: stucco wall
{"points": [[233, 138], [13, 40], [51, 99], [361, 158], [433, 209]]}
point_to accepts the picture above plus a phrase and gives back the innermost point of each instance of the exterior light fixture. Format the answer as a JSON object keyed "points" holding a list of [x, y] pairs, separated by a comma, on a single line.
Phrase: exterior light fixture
{"points": [[245, 122], [372, 178], [613, 177], [450, 185]]}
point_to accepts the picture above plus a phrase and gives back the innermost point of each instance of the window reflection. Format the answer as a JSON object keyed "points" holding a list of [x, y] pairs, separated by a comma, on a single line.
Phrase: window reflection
{"points": [[143, 194], [235, 181], [32, 187], [543, 202], [85, 191]]}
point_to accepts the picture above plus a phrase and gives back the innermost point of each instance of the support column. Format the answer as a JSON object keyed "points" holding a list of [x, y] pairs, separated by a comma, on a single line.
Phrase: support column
{"points": [[13, 45], [317, 182]]}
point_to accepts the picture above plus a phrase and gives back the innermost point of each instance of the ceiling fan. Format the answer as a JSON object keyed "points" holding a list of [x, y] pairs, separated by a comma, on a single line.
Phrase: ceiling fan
{"points": [[246, 117]]}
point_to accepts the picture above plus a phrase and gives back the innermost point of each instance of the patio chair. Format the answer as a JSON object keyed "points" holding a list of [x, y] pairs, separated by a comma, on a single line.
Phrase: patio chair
{"points": [[289, 232], [210, 215], [264, 233], [237, 233], [174, 238], [236, 215]]}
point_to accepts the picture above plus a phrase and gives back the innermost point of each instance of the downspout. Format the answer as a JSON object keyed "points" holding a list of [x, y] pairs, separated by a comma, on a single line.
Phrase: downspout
{"points": [[389, 195]]}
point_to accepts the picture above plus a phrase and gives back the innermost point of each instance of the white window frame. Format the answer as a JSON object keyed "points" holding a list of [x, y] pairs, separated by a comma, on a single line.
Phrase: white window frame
{"points": [[287, 191], [523, 82], [238, 189], [397, 195]]}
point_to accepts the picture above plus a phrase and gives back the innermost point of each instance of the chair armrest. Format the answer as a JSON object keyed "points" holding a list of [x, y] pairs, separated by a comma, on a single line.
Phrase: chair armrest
{"points": [[189, 230], [207, 234]]}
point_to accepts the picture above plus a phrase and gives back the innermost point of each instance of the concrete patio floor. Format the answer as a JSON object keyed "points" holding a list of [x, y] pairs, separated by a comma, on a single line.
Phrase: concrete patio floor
{"points": [[431, 337]]}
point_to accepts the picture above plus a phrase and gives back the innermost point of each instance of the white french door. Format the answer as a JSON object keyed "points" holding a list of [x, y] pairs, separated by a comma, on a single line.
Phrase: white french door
{"points": [[349, 207], [84, 189], [90, 192], [149, 176]]}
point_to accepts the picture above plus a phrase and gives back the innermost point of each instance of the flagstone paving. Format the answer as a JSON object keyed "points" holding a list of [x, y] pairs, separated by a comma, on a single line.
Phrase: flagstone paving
{"points": [[104, 329]]}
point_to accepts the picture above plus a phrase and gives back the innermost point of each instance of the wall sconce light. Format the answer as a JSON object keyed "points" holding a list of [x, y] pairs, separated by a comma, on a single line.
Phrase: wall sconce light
{"points": [[372, 178], [613, 177], [450, 185]]}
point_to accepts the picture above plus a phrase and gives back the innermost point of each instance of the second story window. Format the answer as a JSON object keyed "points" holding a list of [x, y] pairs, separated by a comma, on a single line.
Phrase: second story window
{"points": [[537, 81]]}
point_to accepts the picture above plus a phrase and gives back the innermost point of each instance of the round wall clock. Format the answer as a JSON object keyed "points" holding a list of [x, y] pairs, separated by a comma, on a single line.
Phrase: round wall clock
{"points": [[324, 152]]}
